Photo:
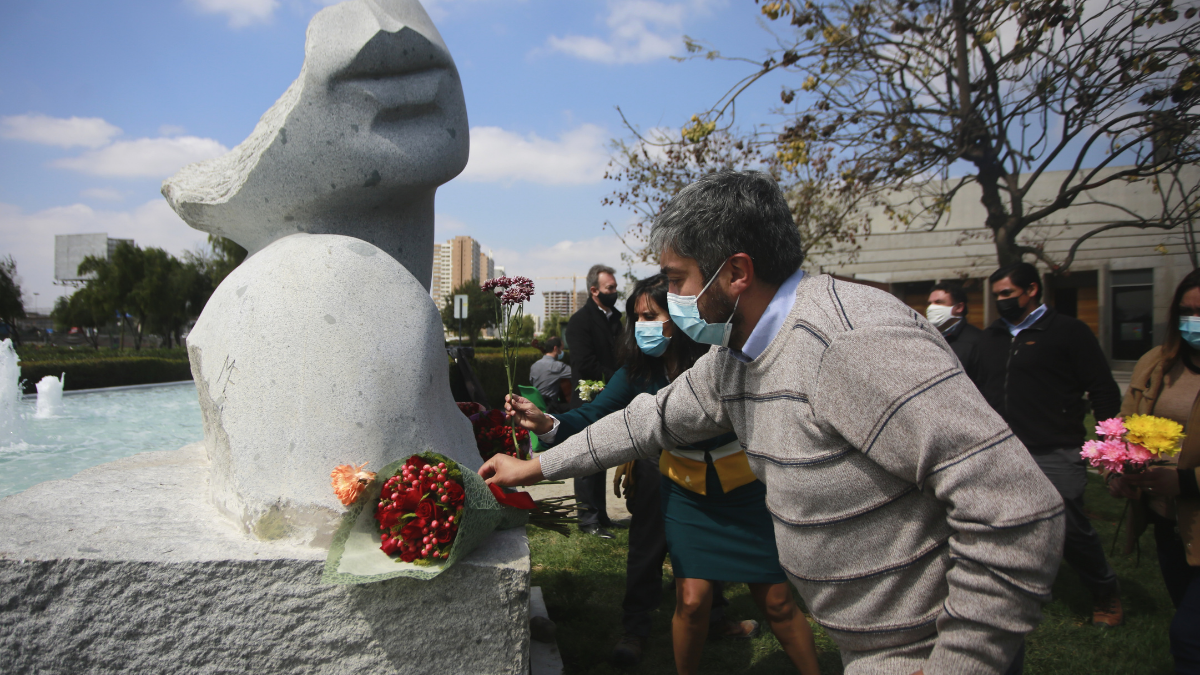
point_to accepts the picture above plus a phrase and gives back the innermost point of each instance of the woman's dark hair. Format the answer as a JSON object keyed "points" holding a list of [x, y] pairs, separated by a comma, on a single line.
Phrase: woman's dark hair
{"points": [[1173, 344], [639, 366]]}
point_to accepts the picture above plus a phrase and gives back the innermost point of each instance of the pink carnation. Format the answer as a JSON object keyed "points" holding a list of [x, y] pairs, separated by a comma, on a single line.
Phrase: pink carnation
{"points": [[1139, 455], [1110, 454], [1111, 428], [510, 290]]}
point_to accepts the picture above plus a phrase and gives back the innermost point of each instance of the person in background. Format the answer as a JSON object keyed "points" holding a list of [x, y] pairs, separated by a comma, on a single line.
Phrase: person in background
{"points": [[551, 376], [914, 524], [947, 311], [592, 338], [701, 502], [1166, 383], [1034, 366]]}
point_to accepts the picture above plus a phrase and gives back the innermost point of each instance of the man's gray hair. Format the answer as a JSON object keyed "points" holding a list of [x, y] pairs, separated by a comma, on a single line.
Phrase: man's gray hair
{"points": [[730, 212], [593, 278]]}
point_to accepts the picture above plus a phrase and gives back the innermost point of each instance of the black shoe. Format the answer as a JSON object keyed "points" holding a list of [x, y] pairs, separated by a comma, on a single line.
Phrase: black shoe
{"points": [[597, 531], [622, 524], [628, 651]]}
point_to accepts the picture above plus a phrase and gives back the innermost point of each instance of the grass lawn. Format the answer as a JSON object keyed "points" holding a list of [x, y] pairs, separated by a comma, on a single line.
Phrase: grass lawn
{"points": [[583, 580]]}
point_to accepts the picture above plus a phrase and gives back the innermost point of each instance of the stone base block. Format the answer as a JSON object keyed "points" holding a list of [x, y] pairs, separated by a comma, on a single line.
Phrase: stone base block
{"points": [[128, 567]]}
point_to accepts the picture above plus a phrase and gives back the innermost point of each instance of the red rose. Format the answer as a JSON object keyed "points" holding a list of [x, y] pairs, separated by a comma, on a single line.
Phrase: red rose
{"points": [[408, 555], [416, 462], [390, 545], [412, 530], [387, 517], [455, 492], [427, 509], [444, 534], [409, 500]]}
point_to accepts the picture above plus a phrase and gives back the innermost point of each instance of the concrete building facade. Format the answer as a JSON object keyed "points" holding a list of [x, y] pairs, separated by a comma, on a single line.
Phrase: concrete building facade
{"points": [[1120, 283]]}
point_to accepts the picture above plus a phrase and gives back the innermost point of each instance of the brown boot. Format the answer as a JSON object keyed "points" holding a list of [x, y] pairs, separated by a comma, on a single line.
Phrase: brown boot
{"points": [[1107, 612]]}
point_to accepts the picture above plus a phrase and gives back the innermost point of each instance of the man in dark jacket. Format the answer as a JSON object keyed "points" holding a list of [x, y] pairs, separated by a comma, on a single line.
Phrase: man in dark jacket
{"points": [[1034, 366], [948, 312], [592, 340]]}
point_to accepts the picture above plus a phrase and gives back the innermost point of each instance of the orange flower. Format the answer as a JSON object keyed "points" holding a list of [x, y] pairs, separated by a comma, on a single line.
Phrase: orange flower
{"points": [[350, 481]]}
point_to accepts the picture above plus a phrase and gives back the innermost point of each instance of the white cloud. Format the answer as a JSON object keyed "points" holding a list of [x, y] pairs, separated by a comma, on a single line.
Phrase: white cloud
{"points": [[565, 259], [577, 157], [638, 31], [144, 157], [103, 194], [29, 237], [241, 13], [88, 132], [171, 130]]}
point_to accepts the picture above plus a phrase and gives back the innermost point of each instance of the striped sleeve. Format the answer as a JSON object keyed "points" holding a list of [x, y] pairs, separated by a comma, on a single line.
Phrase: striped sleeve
{"points": [[921, 419]]}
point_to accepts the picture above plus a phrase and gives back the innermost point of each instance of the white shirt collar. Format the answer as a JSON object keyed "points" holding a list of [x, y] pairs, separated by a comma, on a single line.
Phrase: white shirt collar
{"points": [[1029, 321], [771, 321]]}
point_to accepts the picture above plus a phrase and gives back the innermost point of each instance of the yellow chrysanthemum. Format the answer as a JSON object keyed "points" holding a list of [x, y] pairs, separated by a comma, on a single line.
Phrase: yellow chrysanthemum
{"points": [[1157, 434]]}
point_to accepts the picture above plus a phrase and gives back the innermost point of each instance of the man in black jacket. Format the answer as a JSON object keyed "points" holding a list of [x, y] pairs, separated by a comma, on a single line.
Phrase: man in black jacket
{"points": [[592, 340], [948, 312], [1033, 366]]}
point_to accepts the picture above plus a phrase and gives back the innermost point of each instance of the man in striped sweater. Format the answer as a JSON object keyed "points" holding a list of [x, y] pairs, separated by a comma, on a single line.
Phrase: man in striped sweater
{"points": [[913, 523]]}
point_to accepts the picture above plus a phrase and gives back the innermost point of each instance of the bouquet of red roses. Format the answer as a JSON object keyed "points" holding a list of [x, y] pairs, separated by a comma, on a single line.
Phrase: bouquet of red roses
{"points": [[494, 435], [422, 515]]}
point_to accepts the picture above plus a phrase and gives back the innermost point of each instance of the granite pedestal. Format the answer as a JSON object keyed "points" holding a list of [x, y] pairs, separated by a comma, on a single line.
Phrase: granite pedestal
{"points": [[128, 567]]}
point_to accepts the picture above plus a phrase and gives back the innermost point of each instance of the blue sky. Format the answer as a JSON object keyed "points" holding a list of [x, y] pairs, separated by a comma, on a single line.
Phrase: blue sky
{"points": [[99, 102]]}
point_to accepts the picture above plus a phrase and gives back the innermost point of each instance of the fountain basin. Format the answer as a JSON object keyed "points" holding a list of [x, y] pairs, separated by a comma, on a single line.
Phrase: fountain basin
{"points": [[129, 567]]}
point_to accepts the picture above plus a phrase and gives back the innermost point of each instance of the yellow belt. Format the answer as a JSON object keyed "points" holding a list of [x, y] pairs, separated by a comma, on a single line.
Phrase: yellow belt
{"points": [[689, 470]]}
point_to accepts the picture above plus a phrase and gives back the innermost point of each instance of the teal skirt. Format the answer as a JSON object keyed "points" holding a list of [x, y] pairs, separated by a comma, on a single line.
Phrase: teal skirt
{"points": [[721, 536]]}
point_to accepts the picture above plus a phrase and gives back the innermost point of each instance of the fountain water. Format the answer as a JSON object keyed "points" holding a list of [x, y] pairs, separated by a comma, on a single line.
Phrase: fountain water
{"points": [[10, 395], [50, 396]]}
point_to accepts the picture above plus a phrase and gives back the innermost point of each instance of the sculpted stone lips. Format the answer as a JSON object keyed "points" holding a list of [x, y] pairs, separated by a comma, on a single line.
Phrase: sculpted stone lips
{"points": [[401, 72]]}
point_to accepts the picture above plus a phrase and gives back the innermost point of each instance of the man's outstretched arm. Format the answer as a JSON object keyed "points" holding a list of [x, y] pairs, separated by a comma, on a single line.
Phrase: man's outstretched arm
{"points": [[686, 411]]}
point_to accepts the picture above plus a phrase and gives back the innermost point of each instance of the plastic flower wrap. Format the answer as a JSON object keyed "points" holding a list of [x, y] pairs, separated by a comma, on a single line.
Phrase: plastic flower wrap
{"points": [[424, 514], [588, 389], [1130, 445]]}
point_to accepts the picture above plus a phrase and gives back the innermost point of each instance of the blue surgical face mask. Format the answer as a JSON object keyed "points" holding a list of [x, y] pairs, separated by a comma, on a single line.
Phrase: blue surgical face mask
{"points": [[685, 312], [1189, 328], [650, 338], [558, 356]]}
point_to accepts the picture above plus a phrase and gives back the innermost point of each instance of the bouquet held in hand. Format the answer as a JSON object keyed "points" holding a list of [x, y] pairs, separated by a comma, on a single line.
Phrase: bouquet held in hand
{"points": [[1130, 445], [589, 389]]}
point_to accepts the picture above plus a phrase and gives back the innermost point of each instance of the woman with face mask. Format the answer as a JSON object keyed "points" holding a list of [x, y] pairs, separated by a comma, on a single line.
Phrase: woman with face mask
{"points": [[1166, 383], [716, 521]]}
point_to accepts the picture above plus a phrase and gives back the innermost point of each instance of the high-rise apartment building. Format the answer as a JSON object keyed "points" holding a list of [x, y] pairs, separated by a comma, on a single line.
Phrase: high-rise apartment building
{"points": [[562, 303], [456, 261]]}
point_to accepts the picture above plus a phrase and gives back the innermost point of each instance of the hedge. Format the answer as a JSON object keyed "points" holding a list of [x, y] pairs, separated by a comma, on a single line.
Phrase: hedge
{"points": [[35, 353], [490, 369], [106, 372]]}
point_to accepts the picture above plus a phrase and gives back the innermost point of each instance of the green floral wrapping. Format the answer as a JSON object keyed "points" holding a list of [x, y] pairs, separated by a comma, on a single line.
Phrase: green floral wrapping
{"points": [[355, 556]]}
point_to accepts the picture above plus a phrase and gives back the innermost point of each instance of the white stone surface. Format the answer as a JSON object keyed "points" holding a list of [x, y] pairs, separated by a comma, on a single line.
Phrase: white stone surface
{"points": [[357, 145], [127, 567], [317, 351]]}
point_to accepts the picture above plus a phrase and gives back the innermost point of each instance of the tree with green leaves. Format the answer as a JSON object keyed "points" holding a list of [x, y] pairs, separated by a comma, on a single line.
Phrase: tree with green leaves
{"points": [[521, 332], [83, 310], [11, 305], [481, 310], [554, 325], [921, 99]]}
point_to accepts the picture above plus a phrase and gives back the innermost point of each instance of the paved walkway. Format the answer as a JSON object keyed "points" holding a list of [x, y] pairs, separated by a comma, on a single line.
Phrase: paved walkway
{"points": [[616, 506]]}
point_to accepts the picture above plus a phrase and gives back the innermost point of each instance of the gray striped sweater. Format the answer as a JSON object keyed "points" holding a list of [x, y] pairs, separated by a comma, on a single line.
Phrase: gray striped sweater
{"points": [[916, 527]]}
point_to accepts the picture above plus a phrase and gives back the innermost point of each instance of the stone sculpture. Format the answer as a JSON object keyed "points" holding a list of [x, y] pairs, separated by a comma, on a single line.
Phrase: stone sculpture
{"points": [[324, 347]]}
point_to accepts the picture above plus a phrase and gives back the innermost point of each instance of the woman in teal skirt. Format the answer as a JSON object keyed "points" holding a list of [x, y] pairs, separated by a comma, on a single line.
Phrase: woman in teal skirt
{"points": [[717, 524]]}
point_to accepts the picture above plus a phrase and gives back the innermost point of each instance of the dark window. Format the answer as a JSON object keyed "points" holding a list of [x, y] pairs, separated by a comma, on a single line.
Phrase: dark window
{"points": [[1132, 314]]}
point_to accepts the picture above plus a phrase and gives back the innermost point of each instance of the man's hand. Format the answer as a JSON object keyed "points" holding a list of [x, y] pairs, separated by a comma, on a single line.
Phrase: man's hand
{"points": [[526, 414], [1158, 482], [508, 471]]}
